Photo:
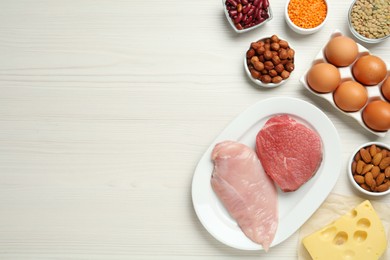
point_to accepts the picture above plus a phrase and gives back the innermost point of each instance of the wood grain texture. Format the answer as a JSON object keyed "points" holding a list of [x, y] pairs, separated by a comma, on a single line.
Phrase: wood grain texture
{"points": [[106, 108]]}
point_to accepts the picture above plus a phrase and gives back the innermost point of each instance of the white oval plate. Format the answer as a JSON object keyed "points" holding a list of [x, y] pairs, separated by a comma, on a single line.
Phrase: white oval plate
{"points": [[294, 207]]}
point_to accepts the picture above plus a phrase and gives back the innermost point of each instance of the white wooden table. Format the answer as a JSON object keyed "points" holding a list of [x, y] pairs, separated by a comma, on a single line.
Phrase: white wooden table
{"points": [[106, 108]]}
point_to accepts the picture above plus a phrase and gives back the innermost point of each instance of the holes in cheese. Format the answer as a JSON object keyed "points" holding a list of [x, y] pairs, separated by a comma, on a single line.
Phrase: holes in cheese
{"points": [[352, 213], [328, 233], [357, 235], [341, 238], [363, 223], [360, 236]]}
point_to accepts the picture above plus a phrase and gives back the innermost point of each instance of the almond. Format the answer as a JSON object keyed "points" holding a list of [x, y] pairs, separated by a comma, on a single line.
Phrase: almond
{"points": [[373, 150], [385, 162], [359, 167], [369, 180], [384, 153], [367, 168], [364, 186], [379, 180], [382, 188], [366, 156], [387, 172], [375, 171], [354, 167], [377, 159], [357, 157], [359, 179]]}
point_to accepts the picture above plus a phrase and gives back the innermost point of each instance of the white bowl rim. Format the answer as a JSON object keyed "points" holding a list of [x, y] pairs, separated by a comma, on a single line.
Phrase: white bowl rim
{"points": [[305, 30], [350, 175]]}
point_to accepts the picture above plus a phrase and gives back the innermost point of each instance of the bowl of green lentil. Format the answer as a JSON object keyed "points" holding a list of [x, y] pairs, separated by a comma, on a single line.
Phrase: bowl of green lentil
{"points": [[369, 20]]}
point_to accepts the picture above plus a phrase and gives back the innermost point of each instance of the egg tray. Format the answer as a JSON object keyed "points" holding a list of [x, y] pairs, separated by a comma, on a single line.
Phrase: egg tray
{"points": [[374, 92]]}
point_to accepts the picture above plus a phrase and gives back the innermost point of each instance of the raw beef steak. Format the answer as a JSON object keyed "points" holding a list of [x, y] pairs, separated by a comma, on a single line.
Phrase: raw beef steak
{"points": [[289, 151], [246, 191]]}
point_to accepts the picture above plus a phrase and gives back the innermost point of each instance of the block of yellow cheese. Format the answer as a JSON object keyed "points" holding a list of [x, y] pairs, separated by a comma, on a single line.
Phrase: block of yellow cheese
{"points": [[357, 235]]}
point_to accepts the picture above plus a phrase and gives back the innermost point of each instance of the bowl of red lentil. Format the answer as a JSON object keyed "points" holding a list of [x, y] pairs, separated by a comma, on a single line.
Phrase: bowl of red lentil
{"points": [[306, 16], [369, 20]]}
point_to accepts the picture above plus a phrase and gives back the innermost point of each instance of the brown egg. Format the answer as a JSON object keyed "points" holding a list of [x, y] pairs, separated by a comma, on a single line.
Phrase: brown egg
{"points": [[350, 96], [386, 88], [323, 77], [369, 70], [341, 51], [376, 115]]}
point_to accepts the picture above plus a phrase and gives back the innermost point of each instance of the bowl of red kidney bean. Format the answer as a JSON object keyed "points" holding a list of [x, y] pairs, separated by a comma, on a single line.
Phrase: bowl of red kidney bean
{"points": [[246, 15]]}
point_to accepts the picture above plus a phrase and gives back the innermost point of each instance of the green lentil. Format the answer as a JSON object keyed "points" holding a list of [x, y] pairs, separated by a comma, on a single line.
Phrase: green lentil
{"points": [[371, 18]]}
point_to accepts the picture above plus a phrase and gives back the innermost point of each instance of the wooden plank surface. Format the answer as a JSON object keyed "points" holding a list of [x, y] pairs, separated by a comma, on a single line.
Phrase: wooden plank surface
{"points": [[106, 108]]}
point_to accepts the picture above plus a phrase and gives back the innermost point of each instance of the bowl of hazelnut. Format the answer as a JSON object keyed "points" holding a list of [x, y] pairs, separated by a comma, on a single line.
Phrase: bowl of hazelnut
{"points": [[369, 169], [269, 61]]}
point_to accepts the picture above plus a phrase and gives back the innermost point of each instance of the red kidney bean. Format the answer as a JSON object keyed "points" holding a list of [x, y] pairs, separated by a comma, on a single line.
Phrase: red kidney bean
{"points": [[233, 13], [251, 11], [232, 2], [265, 3], [238, 18], [246, 8], [247, 13]]}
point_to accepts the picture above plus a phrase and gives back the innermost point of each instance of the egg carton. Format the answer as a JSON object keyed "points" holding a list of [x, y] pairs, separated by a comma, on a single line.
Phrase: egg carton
{"points": [[374, 92]]}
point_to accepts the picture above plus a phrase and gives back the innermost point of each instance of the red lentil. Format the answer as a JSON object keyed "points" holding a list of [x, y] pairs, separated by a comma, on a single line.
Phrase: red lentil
{"points": [[307, 13]]}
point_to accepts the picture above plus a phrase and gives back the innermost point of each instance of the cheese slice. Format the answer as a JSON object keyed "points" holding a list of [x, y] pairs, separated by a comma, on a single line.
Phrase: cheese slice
{"points": [[357, 235]]}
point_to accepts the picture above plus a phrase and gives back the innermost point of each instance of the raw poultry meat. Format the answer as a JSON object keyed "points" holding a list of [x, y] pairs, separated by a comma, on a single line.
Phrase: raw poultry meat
{"points": [[246, 191]]}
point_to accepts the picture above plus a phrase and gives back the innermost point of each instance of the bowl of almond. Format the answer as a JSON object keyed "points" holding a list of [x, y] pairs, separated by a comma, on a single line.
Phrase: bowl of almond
{"points": [[369, 169]]}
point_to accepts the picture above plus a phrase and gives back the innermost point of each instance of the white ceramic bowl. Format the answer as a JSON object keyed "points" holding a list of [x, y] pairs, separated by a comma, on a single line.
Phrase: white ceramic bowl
{"points": [[247, 29], [350, 175], [301, 30], [359, 36], [259, 82]]}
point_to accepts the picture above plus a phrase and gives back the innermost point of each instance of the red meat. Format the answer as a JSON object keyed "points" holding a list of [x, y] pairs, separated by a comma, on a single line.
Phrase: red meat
{"points": [[289, 151]]}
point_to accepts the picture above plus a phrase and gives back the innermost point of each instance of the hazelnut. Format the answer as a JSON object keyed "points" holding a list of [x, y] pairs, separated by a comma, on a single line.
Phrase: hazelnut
{"points": [[275, 46], [259, 66], [255, 74], [276, 79], [290, 53], [255, 45], [274, 38], [265, 79], [283, 44], [283, 54], [275, 60], [285, 74], [289, 66], [272, 73], [260, 50], [268, 65], [279, 68], [268, 55], [261, 58], [250, 53], [254, 59]]}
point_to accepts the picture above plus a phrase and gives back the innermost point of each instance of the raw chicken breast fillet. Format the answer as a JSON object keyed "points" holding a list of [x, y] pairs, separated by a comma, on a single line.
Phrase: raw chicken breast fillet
{"points": [[246, 191]]}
